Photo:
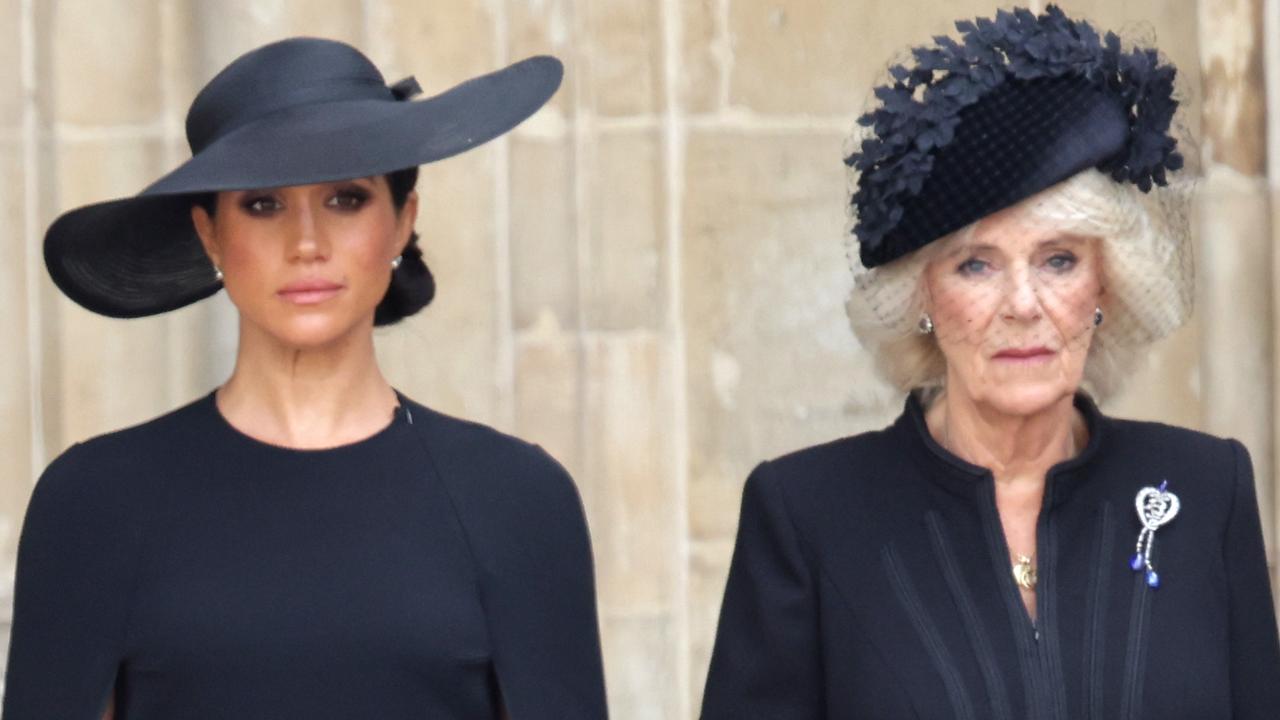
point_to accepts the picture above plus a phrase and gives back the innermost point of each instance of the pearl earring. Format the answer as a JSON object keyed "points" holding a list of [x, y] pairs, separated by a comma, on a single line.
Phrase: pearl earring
{"points": [[1097, 316], [395, 262], [217, 273], [925, 326]]}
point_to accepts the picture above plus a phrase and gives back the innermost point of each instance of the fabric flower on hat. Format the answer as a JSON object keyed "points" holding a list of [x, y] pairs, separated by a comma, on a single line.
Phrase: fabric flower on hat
{"points": [[1012, 62]]}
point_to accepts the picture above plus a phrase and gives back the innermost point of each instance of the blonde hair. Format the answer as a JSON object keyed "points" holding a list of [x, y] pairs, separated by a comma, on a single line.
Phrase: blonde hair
{"points": [[1147, 274]]}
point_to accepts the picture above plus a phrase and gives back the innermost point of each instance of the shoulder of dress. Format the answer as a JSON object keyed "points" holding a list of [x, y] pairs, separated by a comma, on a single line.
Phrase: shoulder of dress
{"points": [[128, 451], [1200, 468], [1147, 441], [848, 472], [836, 459], [473, 456], [1154, 431]]}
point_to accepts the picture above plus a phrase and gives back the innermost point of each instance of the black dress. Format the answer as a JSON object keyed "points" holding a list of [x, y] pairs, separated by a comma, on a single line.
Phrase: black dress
{"points": [[871, 581], [423, 572]]}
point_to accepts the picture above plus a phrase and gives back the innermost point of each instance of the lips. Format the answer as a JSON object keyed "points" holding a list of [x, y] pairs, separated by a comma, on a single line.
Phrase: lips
{"points": [[310, 291], [1023, 353]]}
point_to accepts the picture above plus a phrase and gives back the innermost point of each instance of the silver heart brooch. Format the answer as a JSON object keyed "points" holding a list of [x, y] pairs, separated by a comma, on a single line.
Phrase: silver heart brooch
{"points": [[1156, 507]]}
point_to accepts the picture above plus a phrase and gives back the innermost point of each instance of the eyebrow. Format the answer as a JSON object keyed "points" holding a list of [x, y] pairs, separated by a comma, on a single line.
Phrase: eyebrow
{"points": [[963, 248]]}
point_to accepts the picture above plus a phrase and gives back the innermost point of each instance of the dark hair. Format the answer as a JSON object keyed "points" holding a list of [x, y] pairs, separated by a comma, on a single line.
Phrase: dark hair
{"points": [[412, 285]]}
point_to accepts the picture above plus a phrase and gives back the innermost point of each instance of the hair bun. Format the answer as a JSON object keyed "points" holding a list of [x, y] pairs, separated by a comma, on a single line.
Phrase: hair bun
{"points": [[412, 287]]}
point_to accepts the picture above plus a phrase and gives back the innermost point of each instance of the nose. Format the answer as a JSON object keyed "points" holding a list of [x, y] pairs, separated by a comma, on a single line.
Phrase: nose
{"points": [[307, 241], [1022, 297]]}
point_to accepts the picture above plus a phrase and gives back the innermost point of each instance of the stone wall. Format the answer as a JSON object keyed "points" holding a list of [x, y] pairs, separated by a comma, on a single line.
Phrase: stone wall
{"points": [[647, 277]]}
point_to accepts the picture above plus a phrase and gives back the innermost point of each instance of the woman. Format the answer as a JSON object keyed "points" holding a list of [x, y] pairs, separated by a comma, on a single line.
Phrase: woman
{"points": [[1004, 550], [304, 541]]}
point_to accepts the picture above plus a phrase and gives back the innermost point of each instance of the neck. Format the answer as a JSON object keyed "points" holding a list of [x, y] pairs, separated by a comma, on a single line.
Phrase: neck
{"points": [[1016, 448], [306, 397]]}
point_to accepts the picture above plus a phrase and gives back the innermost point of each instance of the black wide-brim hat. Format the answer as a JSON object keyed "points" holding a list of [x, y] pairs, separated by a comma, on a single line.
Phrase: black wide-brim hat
{"points": [[295, 112]]}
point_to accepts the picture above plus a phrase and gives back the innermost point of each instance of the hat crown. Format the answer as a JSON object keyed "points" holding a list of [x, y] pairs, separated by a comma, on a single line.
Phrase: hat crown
{"points": [[279, 76]]}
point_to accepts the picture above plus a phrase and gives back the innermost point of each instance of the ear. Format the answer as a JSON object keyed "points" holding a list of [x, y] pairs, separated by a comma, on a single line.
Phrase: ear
{"points": [[406, 220], [204, 229], [925, 291]]}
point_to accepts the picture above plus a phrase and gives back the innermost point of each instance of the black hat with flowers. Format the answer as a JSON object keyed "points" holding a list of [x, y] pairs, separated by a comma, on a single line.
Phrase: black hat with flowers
{"points": [[1017, 104]]}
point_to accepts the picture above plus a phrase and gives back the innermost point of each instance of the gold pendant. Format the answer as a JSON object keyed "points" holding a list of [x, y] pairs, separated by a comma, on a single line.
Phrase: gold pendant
{"points": [[1024, 573]]}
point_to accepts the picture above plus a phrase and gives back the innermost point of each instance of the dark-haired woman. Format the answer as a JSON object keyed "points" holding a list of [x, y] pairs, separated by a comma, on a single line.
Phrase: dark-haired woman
{"points": [[304, 541]]}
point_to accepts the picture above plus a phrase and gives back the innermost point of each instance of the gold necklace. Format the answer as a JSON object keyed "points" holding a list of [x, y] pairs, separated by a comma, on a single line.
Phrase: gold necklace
{"points": [[1024, 573], [1024, 570]]}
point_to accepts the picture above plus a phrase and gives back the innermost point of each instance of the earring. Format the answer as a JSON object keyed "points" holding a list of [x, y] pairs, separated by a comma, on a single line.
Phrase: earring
{"points": [[925, 326], [395, 262], [217, 273], [1097, 316]]}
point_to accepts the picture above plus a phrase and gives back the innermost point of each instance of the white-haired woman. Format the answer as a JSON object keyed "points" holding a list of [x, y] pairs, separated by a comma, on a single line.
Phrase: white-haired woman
{"points": [[1004, 550]]}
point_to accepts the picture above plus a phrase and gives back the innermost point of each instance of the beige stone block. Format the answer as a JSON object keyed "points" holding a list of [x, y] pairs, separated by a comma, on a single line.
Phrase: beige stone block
{"points": [[230, 28], [708, 570], [108, 373], [16, 428], [705, 55], [182, 67], [543, 232], [338, 19], [94, 171], [441, 44], [1236, 307], [47, 68], [823, 58], [1166, 386], [106, 62], [547, 398], [12, 96], [627, 450], [625, 46], [448, 356], [640, 665], [547, 28], [772, 365], [624, 283]]}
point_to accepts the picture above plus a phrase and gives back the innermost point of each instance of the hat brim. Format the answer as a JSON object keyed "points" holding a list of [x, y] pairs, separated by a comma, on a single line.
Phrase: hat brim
{"points": [[140, 256]]}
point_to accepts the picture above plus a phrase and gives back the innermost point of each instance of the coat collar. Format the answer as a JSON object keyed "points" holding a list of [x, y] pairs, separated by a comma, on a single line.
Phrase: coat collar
{"points": [[962, 477]]}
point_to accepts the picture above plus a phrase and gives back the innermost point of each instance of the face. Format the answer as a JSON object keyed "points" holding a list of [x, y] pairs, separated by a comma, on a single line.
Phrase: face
{"points": [[307, 264], [1013, 304]]}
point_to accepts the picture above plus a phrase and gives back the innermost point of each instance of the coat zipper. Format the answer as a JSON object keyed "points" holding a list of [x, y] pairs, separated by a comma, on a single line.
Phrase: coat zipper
{"points": [[1037, 666]]}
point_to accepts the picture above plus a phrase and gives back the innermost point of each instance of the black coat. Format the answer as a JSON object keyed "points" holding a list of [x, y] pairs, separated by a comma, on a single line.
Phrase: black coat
{"points": [[871, 581]]}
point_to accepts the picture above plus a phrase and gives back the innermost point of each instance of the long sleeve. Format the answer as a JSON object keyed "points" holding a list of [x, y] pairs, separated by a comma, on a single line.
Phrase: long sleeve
{"points": [[525, 522], [767, 657], [1255, 650], [540, 600], [75, 569]]}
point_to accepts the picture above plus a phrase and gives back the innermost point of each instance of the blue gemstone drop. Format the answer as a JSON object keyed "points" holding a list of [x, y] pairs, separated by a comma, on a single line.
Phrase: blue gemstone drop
{"points": [[1153, 580], [1136, 562]]}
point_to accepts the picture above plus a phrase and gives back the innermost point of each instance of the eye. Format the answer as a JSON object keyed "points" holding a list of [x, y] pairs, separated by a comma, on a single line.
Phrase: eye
{"points": [[1061, 261], [349, 198], [260, 204], [972, 266]]}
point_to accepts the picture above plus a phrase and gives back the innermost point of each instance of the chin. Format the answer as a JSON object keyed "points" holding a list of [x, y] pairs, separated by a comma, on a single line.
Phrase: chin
{"points": [[1027, 396], [311, 332]]}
